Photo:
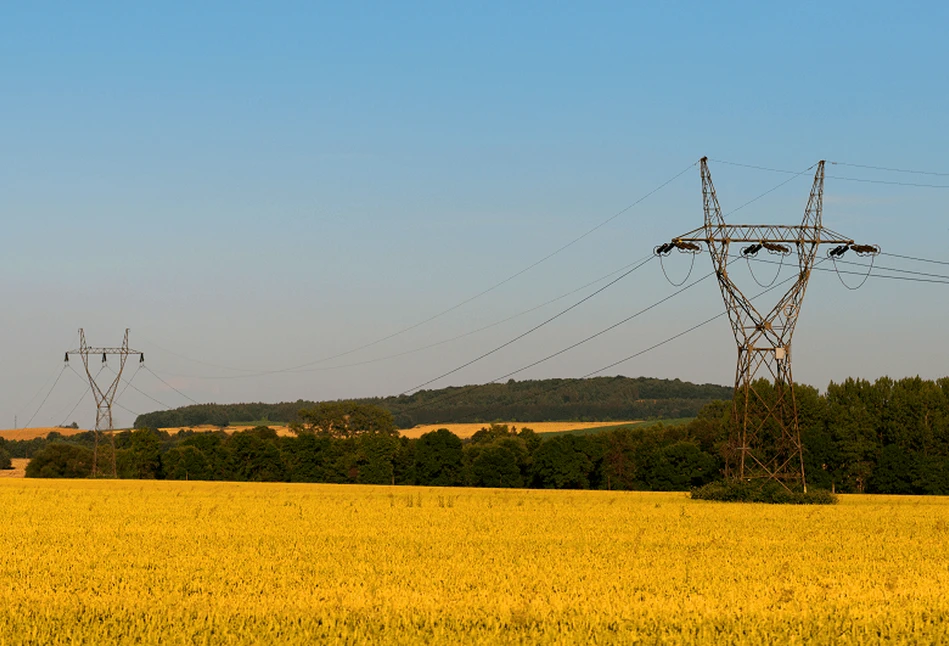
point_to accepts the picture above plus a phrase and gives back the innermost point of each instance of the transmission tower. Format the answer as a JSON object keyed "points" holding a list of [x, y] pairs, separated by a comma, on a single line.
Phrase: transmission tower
{"points": [[104, 396], [765, 437]]}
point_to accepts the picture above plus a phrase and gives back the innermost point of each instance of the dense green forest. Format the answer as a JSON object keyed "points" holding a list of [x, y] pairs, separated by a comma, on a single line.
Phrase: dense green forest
{"points": [[547, 400], [882, 437]]}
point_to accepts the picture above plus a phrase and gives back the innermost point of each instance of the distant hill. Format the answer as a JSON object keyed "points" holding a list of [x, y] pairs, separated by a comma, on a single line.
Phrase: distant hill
{"points": [[544, 400]]}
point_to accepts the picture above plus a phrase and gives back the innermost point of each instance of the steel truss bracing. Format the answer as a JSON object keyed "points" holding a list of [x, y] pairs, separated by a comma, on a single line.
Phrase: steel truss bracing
{"points": [[765, 438], [104, 396]]}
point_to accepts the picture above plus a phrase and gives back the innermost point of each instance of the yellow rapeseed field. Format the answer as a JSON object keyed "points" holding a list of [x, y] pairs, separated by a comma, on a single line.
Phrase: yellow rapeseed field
{"points": [[97, 562]]}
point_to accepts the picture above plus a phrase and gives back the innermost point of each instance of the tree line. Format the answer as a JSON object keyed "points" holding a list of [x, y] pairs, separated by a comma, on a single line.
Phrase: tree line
{"points": [[545, 400], [887, 436], [497, 456]]}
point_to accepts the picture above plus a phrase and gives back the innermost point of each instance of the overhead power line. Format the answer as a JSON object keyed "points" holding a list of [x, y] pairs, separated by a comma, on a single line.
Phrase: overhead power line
{"points": [[771, 190], [896, 255], [127, 410], [533, 329], [49, 392], [834, 163], [914, 276], [752, 166], [449, 396], [52, 379], [76, 405], [886, 182], [693, 328], [155, 375], [604, 330], [129, 384], [484, 292], [436, 343], [891, 170]]}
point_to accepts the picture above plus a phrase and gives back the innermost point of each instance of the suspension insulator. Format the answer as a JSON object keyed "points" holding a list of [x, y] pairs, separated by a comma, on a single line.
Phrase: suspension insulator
{"points": [[103, 358], [66, 359], [686, 246], [865, 249], [141, 358], [776, 248]]}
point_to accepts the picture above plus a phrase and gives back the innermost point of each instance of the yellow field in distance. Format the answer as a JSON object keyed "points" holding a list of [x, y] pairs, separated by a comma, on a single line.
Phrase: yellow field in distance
{"points": [[18, 470], [37, 431], [128, 562], [461, 430], [465, 431]]}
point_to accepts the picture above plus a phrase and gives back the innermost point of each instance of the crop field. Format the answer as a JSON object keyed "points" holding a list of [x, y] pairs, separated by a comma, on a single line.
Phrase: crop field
{"points": [[123, 562], [461, 430], [37, 431], [466, 430], [18, 470]]}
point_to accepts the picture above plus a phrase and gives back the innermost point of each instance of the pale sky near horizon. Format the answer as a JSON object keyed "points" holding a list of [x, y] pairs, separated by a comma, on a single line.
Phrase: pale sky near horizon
{"points": [[251, 187]]}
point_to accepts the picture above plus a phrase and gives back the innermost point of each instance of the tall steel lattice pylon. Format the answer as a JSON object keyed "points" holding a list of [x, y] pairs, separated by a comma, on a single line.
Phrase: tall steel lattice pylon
{"points": [[765, 437], [104, 396]]}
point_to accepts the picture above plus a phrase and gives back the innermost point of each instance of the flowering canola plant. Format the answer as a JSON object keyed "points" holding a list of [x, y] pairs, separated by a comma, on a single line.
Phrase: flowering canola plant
{"points": [[123, 562]]}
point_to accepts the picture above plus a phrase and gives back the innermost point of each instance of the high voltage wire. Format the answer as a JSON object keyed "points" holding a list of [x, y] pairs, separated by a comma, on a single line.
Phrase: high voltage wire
{"points": [[467, 389], [85, 390], [437, 343], [915, 276], [460, 304], [461, 336], [127, 410], [464, 390], [45, 398], [75, 406], [924, 277], [794, 176], [894, 269], [771, 190], [604, 330], [655, 346], [129, 384], [303, 367], [896, 255], [169, 385], [597, 334], [533, 329], [910, 275], [772, 170], [835, 163], [891, 170], [887, 182], [707, 321]]}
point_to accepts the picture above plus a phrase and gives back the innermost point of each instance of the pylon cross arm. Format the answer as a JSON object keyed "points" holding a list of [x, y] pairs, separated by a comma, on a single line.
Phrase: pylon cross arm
{"points": [[763, 233], [90, 350]]}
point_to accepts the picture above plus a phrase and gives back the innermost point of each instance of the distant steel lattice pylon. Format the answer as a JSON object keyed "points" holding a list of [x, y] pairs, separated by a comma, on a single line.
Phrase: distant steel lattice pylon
{"points": [[765, 437], [104, 396]]}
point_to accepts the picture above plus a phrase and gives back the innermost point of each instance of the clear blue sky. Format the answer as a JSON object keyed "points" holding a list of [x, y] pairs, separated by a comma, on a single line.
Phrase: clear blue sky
{"points": [[259, 185]]}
